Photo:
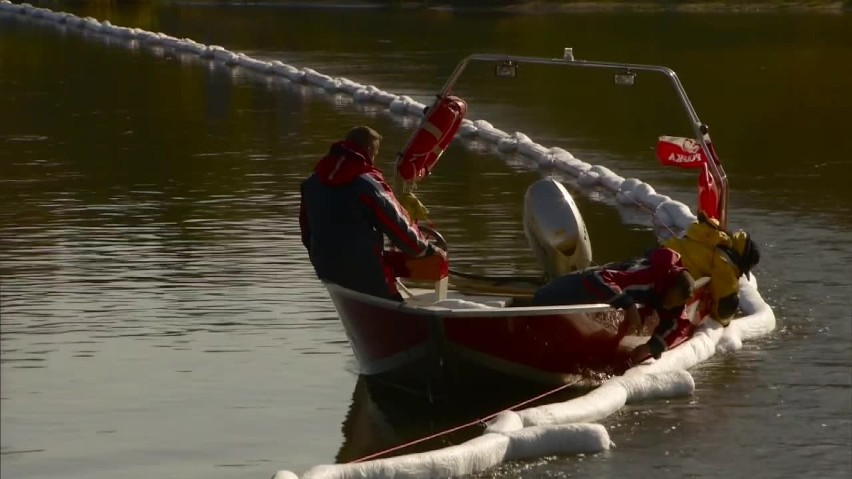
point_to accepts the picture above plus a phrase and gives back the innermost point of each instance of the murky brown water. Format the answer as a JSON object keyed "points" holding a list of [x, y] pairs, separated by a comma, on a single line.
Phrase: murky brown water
{"points": [[159, 316]]}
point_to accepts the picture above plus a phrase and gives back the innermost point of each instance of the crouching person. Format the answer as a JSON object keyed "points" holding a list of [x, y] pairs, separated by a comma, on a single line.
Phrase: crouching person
{"points": [[658, 282]]}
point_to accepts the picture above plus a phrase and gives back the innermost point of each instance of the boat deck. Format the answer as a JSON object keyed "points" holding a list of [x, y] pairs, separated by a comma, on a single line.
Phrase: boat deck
{"points": [[426, 297]]}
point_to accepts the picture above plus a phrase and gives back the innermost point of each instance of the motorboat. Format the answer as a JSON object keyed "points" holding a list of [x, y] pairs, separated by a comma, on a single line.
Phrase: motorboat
{"points": [[455, 331]]}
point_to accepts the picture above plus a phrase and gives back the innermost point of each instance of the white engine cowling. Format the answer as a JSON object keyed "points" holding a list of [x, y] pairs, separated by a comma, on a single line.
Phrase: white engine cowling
{"points": [[554, 228]]}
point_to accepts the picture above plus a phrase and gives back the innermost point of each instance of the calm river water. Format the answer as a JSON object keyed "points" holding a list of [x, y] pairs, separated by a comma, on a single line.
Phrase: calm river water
{"points": [[160, 317]]}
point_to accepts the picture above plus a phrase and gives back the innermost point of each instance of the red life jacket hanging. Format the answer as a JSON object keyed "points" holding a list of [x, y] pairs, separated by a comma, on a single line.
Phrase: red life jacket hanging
{"points": [[436, 131]]}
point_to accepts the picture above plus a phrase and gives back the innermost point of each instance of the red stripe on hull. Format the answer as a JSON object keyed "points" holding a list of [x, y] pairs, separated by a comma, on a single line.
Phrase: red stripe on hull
{"points": [[562, 344], [534, 346]]}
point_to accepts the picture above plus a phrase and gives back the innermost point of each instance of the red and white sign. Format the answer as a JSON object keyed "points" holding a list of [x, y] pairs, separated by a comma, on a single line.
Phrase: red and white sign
{"points": [[682, 152]]}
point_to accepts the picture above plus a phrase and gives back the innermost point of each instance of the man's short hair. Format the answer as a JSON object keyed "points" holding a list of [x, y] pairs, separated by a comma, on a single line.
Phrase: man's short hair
{"points": [[363, 136]]}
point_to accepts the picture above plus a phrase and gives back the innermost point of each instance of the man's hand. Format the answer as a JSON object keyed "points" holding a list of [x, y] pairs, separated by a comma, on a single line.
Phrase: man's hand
{"points": [[435, 250]]}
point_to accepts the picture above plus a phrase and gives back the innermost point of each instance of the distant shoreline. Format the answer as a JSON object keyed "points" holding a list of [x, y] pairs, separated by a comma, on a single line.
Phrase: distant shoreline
{"points": [[563, 6], [532, 7], [679, 7]]}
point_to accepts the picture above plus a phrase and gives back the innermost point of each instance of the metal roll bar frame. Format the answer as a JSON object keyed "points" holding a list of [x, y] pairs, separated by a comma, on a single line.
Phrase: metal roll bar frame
{"points": [[701, 130]]}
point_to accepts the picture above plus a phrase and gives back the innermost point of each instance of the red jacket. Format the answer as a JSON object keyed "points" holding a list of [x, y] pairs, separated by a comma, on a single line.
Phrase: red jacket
{"points": [[347, 209], [645, 281]]}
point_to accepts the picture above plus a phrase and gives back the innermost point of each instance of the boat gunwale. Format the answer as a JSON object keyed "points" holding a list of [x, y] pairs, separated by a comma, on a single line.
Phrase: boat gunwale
{"points": [[496, 312]]}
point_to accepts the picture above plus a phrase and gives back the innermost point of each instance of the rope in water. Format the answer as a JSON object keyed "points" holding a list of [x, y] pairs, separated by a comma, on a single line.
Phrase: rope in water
{"points": [[482, 420], [463, 426]]}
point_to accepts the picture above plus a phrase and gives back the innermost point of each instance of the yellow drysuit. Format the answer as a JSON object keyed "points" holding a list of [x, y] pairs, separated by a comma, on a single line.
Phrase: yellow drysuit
{"points": [[709, 251]]}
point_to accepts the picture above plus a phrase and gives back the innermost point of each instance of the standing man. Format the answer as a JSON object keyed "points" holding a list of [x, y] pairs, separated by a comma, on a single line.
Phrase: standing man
{"points": [[347, 209]]}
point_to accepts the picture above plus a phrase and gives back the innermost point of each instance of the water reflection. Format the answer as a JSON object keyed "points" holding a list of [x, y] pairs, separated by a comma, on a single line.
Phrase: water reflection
{"points": [[381, 418], [152, 282]]}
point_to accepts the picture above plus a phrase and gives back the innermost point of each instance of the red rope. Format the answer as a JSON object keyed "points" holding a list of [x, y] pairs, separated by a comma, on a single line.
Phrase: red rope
{"points": [[485, 418], [457, 428]]}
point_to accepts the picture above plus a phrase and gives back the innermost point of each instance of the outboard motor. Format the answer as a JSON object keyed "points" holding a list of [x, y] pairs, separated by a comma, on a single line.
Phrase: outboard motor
{"points": [[554, 228]]}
